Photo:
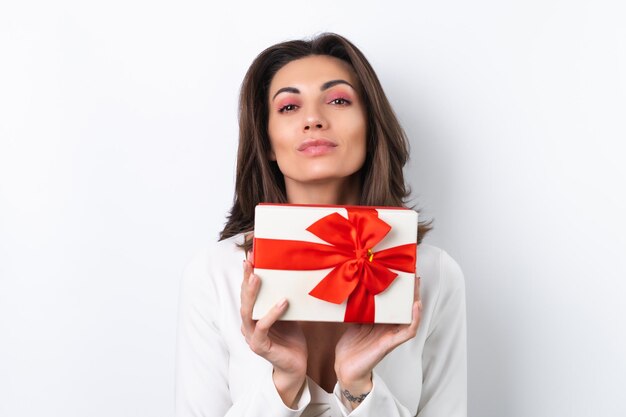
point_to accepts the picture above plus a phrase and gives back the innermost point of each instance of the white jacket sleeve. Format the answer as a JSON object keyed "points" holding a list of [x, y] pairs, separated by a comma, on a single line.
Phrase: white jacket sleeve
{"points": [[444, 359], [379, 402], [202, 358]]}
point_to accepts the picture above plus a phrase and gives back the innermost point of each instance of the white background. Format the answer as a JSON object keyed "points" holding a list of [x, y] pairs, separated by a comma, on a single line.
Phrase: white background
{"points": [[118, 130]]}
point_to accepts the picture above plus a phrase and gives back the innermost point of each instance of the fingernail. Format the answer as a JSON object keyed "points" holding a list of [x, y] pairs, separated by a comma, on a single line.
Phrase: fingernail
{"points": [[281, 304]]}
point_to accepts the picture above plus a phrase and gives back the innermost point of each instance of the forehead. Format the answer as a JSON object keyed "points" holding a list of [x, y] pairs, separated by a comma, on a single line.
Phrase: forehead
{"points": [[315, 69]]}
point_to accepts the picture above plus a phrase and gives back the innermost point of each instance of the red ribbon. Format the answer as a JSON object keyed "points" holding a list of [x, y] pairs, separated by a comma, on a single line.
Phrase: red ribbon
{"points": [[358, 273]]}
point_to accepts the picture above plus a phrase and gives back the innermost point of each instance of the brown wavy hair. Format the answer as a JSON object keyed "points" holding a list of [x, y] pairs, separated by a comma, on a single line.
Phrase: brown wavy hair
{"points": [[259, 179]]}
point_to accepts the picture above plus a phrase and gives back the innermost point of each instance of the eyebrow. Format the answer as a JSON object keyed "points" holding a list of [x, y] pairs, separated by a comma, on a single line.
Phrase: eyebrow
{"points": [[325, 86]]}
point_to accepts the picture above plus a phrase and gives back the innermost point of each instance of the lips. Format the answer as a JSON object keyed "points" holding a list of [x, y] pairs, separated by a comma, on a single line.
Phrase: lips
{"points": [[316, 143]]}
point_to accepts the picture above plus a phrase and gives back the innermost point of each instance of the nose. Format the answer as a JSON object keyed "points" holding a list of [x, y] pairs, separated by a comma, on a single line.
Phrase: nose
{"points": [[314, 121], [317, 125]]}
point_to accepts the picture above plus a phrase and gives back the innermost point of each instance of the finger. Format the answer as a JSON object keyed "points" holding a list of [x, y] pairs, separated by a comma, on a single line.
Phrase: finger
{"points": [[260, 340], [419, 288], [416, 288], [417, 316], [264, 324], [409, 331], [247, 270], [250, 257], [249, 292]]}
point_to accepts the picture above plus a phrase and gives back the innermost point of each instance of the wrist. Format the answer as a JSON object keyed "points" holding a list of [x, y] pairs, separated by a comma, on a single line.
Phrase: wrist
{"points": [[356, 387], [289, 386], [353, 392], [351, 381]]}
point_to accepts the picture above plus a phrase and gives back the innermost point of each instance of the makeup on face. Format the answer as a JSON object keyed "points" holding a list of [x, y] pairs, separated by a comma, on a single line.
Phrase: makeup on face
{"points": [[316, 124], [338, 93]]}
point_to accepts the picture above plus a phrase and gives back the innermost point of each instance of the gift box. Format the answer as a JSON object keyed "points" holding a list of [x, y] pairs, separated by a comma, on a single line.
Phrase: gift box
{"points": [[336, 263]]}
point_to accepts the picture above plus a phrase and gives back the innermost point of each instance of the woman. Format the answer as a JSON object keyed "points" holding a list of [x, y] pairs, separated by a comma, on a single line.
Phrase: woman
{"points": [[316, 128]]}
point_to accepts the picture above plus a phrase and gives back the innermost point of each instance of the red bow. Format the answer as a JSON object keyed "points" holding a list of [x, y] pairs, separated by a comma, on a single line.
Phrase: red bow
{"points": [[359, 273]]}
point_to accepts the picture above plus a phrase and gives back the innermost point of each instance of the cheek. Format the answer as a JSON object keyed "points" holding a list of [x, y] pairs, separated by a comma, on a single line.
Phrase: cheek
{"points": [[280, 144], [356, 119], [361, 140], [275, 132], [359, 131], [357, 146]]}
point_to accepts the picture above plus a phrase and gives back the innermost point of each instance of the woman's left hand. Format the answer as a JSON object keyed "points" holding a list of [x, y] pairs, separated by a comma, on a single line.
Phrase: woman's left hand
{"points": [[363, 346]]}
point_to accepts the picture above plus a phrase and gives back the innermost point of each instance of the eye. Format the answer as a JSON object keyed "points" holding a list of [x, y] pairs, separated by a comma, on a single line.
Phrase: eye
{"points": [[340, 101], [287, 108]]}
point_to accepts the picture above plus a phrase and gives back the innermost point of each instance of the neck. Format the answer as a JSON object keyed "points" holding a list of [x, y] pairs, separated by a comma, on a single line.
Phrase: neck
{"points": [[345, 191]]}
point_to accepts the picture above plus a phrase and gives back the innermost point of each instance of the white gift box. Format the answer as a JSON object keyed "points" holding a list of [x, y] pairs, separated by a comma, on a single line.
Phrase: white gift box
{"points": [[315, 269]]}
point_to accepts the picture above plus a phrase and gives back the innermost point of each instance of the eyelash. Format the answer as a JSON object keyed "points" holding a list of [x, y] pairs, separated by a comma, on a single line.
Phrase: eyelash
{"points": [[284, 108], [344, 101]]}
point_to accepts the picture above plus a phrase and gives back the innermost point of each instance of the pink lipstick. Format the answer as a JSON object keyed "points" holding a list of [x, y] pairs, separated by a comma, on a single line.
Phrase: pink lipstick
{"points": [[315, 147]]}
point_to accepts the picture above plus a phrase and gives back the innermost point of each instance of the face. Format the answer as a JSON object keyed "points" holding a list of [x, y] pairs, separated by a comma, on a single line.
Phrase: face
{"points": [[317, 121]]}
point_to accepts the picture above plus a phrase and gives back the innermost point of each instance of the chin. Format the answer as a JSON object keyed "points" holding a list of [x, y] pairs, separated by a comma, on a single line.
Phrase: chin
{"points": [[323, 176]]}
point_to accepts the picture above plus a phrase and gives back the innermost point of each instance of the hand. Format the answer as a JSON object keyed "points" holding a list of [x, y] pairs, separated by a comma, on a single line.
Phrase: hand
{"points": [[363, 346], [281, 343]]}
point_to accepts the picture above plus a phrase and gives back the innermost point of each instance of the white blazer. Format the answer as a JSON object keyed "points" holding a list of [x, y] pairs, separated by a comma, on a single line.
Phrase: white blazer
{"points": [[217, 375]]}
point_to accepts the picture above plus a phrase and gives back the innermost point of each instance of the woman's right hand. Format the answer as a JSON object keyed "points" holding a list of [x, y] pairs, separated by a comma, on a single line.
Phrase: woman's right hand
{"points": [[282, 343]]}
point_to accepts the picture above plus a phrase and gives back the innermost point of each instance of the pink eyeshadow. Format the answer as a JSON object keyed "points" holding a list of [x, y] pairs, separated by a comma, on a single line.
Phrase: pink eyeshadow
{"points": [[339, 94]]}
